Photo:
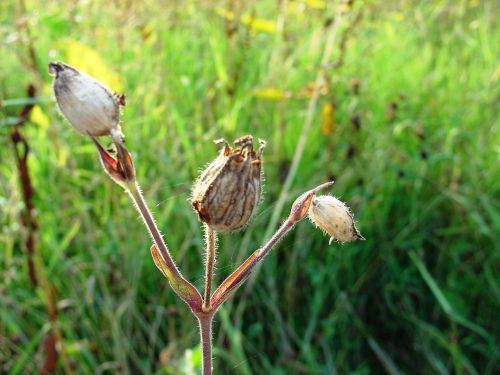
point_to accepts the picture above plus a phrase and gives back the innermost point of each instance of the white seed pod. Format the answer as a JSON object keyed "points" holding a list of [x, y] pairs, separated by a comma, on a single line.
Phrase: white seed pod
{"points": [[86, 103], [334, 217]]}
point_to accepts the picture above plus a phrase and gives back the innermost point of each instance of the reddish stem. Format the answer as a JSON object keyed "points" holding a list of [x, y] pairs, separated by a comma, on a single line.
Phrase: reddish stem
{"points": [[209, 266], [206, 342]]}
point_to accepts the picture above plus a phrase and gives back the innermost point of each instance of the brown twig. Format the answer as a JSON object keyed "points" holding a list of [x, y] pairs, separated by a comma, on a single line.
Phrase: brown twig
{"points": [[21, 152], [35, 266]]}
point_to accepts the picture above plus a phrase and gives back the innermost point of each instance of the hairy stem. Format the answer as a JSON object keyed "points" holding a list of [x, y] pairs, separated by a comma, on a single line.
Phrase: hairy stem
{"points": [[280, 233], [161, 256], [210, 238], [206, 343], [298, 211], [239, 275], [135, 193]]}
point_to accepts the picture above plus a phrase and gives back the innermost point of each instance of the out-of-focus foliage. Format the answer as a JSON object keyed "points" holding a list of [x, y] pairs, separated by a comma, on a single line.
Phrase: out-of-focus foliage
{"points": [[407, 125]]}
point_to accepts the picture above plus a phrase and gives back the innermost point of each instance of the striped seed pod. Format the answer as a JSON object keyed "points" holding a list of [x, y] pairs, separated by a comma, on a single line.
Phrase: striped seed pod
{"points": [[228, 191]]}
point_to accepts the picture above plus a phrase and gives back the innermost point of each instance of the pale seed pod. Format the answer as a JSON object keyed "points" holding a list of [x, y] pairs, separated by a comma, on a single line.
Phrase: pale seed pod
{"points": [[87, 103], [334, 217], [228, 191]]}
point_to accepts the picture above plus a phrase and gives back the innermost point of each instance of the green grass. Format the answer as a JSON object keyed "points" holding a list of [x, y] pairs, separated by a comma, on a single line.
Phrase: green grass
{"points": [[420, 295]]}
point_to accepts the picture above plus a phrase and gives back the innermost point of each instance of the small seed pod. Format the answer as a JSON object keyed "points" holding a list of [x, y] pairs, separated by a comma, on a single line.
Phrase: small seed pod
{"points": [[86, 103], [228, 191], [334, 217]]}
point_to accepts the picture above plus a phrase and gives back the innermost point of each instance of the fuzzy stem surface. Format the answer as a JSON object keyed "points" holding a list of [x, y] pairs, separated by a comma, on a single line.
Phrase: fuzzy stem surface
{"points": [[232, 282], [239, 275], [183, 288], [210, 238], [206, 342], [135, 193]]}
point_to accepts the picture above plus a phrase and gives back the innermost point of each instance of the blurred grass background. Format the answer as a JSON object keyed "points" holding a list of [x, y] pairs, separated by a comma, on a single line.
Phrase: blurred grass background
{"points": [[406, 123]]}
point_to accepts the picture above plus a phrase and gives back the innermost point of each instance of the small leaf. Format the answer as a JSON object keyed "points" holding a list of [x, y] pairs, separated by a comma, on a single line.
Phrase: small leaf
{"points": [[10, 121], [301, 205], [24, 101], [120, 169], [432, 284], [187, 292], [234, 280]]}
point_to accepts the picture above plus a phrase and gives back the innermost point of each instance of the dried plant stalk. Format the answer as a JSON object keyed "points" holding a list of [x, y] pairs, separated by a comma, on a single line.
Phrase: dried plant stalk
{"points": [[225, 196]]}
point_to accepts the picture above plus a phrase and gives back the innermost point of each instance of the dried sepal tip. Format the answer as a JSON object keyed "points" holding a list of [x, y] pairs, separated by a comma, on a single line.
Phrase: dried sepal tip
{"points": [[334, 217], [300, 207], [120, 169]]}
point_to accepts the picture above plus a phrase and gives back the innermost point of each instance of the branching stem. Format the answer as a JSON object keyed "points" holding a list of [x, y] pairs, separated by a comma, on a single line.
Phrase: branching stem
{"points": [[121, 170], [161, 256]]}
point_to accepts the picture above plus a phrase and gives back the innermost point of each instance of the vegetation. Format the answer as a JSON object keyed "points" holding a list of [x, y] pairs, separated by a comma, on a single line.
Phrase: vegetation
{"points": [[407, 123]]}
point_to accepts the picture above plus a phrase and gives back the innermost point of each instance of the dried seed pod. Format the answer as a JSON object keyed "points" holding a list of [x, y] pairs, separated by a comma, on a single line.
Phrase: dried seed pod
{"points": [[335, 218], [228, 191], [86, 103]]}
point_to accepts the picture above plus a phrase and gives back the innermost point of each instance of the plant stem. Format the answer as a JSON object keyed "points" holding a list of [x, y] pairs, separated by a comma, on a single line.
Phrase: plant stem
{"points": [[135, 193], [210, 238], [161, 256], [280, 233], [206, 342], [239, 275], [298, 211], [52, 312]]}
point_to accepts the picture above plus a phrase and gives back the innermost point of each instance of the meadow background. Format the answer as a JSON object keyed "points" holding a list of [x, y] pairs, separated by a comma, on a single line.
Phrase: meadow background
{"points": [[406, 120]]}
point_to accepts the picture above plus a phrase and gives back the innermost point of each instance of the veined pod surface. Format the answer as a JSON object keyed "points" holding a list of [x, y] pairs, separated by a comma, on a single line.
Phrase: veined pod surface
{"points": [[334, 217], [228, 191], [86, 103]]}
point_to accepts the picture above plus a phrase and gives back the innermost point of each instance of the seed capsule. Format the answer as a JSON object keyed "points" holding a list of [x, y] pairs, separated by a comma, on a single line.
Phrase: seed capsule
{"points": [[86, 103], [228, 191], [335, 218]]}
